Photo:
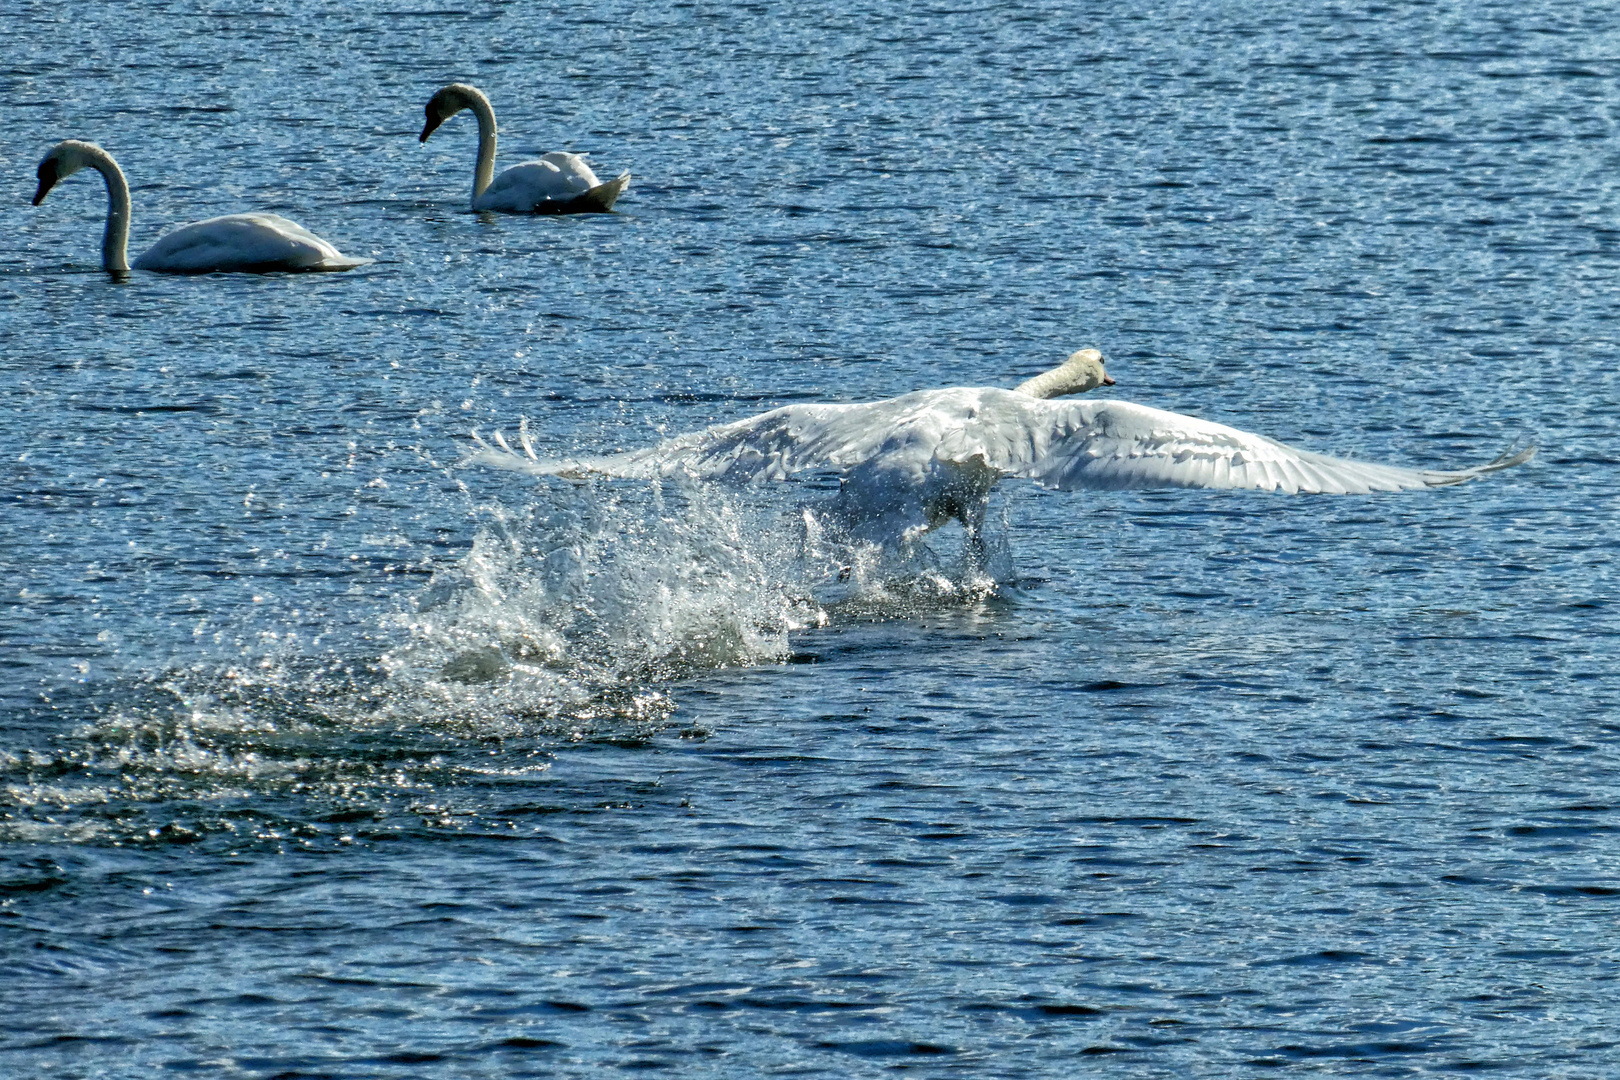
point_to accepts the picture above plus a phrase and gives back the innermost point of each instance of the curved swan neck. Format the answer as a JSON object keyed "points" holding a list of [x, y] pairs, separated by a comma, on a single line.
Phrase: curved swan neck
{"points": [[115, 240], [68, 157], [485, 171], [449, 101]]}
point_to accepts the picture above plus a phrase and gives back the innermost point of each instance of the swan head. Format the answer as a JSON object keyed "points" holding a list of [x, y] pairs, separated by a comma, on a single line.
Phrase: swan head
{"points": [[64, 159], [445, 104], [1082, 371]]}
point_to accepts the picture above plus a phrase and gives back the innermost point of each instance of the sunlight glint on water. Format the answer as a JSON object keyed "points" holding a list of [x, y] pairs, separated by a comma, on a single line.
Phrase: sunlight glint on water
{"points": [[321, 754]]}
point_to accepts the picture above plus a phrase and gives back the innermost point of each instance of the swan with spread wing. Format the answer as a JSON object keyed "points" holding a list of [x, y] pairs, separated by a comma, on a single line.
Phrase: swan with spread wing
{"points": [[554, 183], [912, 463], [234, 243]]}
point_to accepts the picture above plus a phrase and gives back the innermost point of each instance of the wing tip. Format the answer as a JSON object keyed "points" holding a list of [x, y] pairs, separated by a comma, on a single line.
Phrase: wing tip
{"points": [[502, 456], [1505, 460]]}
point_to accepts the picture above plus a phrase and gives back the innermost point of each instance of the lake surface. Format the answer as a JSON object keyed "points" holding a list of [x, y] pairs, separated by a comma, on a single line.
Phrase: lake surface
{"points": [[323, 755]]}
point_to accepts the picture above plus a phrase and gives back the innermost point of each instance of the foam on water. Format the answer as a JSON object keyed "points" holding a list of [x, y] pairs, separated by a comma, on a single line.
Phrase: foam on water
{"points": [[584, 593], [564, 622], [1228, 784]]}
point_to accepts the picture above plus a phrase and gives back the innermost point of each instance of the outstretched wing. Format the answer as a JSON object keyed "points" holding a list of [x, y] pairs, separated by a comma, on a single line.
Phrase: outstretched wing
{"points": [[770, 446], [1070, 445], [1119, 444]]}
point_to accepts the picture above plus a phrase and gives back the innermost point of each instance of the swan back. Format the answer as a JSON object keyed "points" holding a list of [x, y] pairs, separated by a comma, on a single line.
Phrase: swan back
{"points": [[523, 189], [243, 242]]}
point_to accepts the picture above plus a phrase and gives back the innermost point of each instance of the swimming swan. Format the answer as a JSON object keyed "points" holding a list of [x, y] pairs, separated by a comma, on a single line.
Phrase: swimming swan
{"points": [[556, 183], [237, 242], [914, 462]]}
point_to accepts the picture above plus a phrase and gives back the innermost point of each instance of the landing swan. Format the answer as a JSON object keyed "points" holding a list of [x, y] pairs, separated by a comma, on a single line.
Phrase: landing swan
{"points": [[914, 462], [237, 242], [556, 183]]}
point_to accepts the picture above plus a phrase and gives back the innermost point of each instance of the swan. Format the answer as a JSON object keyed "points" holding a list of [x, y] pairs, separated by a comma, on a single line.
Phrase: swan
{"points": [[912, 463], [555, 183], [236, 242]]}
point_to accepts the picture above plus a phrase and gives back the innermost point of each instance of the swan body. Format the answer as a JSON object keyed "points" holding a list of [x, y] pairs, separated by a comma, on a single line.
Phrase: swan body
{"points": [[914, 462], [242, 242], [554, 183], [236, 242]]}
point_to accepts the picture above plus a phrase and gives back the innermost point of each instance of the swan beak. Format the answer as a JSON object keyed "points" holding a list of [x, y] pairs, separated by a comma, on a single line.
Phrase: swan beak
{"points": [[47, 179], [1108, 380], [428, 128]]}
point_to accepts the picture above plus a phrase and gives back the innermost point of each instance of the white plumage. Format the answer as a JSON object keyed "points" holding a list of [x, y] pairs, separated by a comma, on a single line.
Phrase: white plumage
{"points": [[913, 462], [554, 183], [236, 242], [242, 242]]}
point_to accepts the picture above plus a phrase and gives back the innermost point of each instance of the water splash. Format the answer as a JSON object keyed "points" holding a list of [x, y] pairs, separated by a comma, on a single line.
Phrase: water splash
{"points": [[588, 593], [564, 622]]}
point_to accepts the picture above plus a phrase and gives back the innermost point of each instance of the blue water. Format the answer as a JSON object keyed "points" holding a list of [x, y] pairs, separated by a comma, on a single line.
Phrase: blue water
{"points": [[322, 755]]}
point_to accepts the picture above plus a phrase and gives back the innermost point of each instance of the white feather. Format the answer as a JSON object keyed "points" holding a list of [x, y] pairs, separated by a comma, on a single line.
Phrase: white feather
{"points": [[234, 243], [556, 182], [911, 463]]}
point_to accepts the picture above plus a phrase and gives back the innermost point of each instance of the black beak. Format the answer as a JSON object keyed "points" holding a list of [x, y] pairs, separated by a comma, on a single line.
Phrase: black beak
{"points": [[428, 128], [47, 179]]}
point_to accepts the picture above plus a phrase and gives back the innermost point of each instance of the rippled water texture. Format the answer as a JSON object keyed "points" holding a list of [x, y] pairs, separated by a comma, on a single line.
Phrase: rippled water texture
{"points": [[323, 756]]}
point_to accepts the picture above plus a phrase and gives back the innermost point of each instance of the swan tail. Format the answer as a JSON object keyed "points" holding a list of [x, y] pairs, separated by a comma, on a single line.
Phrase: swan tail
{"points": [[599, 199], [341, 263]]}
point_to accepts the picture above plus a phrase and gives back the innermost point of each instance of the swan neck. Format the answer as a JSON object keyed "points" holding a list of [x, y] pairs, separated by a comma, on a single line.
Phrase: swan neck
{"points": [[1048, 384], [1082, 371], [485, 171], [115, 241]]}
